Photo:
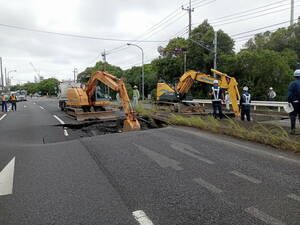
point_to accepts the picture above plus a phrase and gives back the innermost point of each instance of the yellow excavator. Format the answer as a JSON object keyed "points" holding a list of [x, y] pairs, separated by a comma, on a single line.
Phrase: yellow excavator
{"points": [[85, 99], [167, 93]]}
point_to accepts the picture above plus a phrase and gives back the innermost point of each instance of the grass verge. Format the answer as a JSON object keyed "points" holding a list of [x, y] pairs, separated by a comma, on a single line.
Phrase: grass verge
{"points": [[274, 136]]}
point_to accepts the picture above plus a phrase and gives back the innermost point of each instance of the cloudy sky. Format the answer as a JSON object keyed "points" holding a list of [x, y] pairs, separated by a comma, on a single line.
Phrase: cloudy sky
{"points": [[156, 20]]}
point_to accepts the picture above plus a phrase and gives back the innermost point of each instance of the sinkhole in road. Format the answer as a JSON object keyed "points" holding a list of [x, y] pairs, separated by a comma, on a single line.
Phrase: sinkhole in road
{"points": [[96, 127]]}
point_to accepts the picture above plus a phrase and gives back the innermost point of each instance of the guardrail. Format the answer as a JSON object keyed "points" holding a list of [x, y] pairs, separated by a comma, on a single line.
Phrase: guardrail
{"points": [[255, 104]]}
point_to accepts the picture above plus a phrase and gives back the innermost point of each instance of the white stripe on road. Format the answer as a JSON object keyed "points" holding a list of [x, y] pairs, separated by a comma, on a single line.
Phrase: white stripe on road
{"points": [[42, 107], [7, 178], [295, 197], [182, 149], [142, 218], [62, 122], [2, 117], [246, 177], [59, 119], [66, 132], [25, 106], [263, 216], [162, 160], [208, 186]]}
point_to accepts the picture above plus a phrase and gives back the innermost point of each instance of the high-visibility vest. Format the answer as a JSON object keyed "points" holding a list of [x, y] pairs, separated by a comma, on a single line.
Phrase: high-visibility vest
{"points": [[216, 93], [247, 99], [13, 98]]}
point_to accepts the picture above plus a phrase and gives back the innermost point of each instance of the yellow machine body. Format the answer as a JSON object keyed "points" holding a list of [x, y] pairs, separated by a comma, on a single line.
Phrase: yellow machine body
{"points": [[167, 93], [77, 97], [165, 90]]}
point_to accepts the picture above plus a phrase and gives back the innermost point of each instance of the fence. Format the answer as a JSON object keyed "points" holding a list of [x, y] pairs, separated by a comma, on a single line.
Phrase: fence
{"points": [[255, 104]]}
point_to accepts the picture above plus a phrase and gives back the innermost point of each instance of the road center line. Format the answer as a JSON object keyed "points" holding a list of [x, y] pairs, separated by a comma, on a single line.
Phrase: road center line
{"points": [[59, 120], [295, 197], [263, 217], [142, 218], [42, 107], [208, 186], [2, 117], [182, 150], [246, 177]]}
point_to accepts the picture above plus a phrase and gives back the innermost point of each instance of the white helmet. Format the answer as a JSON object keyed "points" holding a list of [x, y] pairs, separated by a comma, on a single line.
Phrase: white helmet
{"points": [[245, 88], [134, 86], [297, 73], [271, 88], [216, 82]]}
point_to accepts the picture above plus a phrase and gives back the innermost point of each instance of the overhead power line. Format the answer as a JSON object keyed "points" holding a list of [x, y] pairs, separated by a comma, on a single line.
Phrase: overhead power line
{"points": [[249, 10], [253, 13], [246, 37], [75, 35], [253, 17], [272, 25]]}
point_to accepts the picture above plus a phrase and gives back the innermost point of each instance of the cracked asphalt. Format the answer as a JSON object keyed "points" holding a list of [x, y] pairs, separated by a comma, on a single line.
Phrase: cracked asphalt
{"points": [[175, 175]]}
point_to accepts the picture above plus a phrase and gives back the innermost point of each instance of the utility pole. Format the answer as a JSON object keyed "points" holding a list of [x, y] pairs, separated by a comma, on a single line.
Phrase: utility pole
{"points": [[5, 76], [184, 55], [104, 68], [190, 10], [292, 12], [215, 51], [2, 79], [75, 72], [104, 59]]}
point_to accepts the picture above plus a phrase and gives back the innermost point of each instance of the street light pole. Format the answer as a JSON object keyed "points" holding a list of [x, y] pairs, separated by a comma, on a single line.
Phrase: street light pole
{"points": [[8, 79], [143, 75]]}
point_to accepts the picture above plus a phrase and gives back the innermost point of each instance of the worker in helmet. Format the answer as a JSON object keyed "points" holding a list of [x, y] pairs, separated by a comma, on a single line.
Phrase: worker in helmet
{"points": [[4, 103], [217, 96], [245, 103], [135, 96], [13, 101], [294, 99], [271, 94]]}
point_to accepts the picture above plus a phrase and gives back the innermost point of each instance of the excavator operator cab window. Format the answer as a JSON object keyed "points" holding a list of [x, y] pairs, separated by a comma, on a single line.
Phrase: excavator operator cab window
{"points": [[100, 95]]}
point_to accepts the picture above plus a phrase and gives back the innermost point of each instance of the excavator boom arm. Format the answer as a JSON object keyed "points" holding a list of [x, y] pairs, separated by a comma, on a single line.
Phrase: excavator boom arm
{"points": [[226, 82], [116, 84]]}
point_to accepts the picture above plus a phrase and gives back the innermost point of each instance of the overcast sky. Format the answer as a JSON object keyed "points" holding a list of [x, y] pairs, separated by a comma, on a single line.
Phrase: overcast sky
{"points": [[57, 56]]}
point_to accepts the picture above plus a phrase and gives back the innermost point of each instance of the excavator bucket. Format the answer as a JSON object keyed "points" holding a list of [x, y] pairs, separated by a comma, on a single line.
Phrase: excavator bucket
{"points": [[131, 125]]}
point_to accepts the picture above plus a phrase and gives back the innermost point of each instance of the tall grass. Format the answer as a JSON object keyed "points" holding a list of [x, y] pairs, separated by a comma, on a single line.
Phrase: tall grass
{"points": [[274, 136]]}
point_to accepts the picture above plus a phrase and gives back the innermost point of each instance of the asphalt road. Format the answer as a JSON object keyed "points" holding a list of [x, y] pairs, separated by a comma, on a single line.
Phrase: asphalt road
{"points": [[169, 176]]}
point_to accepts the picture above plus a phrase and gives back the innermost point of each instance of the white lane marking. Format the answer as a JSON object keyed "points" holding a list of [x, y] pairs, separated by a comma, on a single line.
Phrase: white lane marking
{"points": [[181, 148], [42, 107], [208, 186], [240, 147], [59, 119], [295, 197], [7, 178], [142, 218], [246, 177], [66, 132], [25, 106], [161, 160], [263, 216], [2, 117]]}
